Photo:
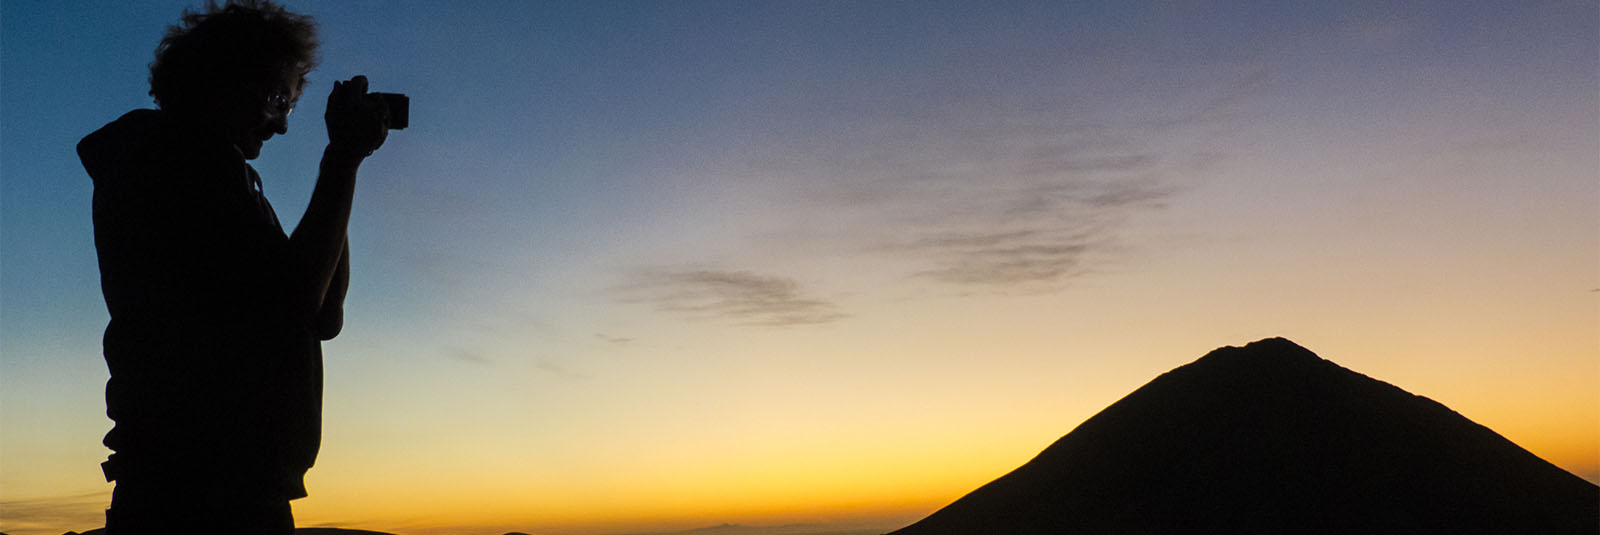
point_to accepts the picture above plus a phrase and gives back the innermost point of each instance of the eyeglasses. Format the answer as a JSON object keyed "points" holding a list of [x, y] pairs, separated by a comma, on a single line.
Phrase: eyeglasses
{"points": [[280, 103]]}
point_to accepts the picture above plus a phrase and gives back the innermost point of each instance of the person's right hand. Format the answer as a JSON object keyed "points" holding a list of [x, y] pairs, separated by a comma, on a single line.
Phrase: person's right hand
{"points": [[358, 123]]}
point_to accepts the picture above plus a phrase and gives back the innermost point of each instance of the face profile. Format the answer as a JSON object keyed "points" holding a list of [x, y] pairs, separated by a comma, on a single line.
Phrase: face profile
{"points": [[264, 113], [235, 70]]}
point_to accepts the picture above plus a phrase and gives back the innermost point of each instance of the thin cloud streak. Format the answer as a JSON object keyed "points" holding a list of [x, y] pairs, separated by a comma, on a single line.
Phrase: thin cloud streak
{"points": [[615, 340], [741, 296], [57, 513], [1016, 193], [470, 357], [1012, 265], [1042, 226], [1012, 188]]}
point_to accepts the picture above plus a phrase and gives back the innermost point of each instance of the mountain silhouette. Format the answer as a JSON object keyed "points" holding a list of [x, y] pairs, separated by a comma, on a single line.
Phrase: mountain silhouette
{"points": [[1271, 438]]}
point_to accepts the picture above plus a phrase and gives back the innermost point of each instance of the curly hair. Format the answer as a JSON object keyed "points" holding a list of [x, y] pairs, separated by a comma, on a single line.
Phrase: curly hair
{"points": [[240, 44]]}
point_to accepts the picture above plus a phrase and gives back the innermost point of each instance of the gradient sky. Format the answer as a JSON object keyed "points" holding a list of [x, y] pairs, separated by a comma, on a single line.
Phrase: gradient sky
{"points": [[653, 266]]}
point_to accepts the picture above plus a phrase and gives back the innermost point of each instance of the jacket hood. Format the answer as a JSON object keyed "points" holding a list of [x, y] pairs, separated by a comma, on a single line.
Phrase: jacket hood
{"points": [[116, 146], [141, 139]]}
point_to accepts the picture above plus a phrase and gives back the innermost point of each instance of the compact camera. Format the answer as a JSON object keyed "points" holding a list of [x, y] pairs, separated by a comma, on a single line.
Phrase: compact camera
{"points": [[399, 109]]}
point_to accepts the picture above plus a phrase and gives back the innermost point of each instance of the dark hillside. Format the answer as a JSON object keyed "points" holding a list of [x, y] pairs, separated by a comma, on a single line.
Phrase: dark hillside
{"points": [[1270, 438]]}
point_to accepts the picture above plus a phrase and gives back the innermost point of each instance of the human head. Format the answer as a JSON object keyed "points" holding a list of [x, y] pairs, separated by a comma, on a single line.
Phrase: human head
{"points": [[220, 66]]}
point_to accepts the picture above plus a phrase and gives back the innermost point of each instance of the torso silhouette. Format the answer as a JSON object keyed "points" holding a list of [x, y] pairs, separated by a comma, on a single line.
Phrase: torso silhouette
{"points": [[214, 379]]}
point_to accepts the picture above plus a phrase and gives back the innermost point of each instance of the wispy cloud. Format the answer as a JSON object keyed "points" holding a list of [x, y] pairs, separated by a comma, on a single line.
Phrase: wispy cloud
{"points": [[469, 356], [1009, 190], [1014, 188], [616, 340], [57, 513], [740, 296], [550, 366], [1017, 261], [1029, 221]]}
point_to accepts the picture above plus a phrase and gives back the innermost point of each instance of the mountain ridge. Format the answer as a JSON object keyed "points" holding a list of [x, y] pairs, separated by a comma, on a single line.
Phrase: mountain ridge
{"points": [[1267, 438]]}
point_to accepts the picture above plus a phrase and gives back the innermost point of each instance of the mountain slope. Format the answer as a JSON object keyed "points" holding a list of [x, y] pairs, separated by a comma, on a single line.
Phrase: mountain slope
{"points": [[1270, 438]]}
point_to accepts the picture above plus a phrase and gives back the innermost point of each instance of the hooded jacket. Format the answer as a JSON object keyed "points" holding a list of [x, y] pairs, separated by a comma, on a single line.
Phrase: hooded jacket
{"points": [[216, 383]]}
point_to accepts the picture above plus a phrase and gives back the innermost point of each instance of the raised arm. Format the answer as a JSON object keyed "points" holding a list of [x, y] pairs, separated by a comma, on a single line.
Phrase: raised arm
{"points": [[330, 318], [357, 125]]}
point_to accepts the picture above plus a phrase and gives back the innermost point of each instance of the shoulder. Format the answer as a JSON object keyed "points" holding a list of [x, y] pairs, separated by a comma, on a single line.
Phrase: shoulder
{"points": [[149, 150]]}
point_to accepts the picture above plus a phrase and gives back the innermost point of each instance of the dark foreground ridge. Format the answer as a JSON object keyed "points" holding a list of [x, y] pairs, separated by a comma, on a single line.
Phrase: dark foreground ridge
{"points": [[297, 531], [1271, 438]]}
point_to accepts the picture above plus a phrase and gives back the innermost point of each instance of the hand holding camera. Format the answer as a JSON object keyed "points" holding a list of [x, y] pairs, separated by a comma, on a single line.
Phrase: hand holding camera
{"points": [[358, 121]]}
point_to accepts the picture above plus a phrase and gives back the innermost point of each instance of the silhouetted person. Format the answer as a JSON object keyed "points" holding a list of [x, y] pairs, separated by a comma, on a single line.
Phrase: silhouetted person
{"points": [[216, 314]]}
